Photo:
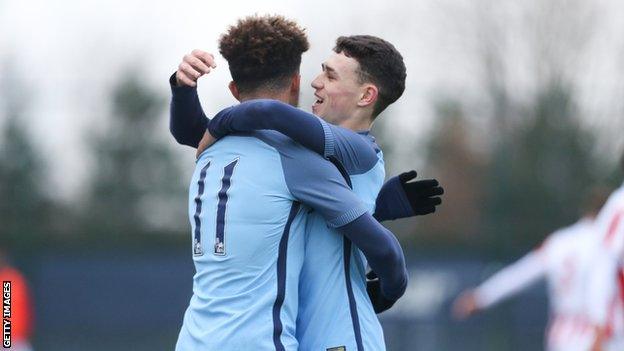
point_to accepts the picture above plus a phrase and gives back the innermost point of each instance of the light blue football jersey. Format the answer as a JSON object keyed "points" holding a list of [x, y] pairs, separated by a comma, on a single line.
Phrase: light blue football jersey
{"points": [[334, 307], [248, 239]]}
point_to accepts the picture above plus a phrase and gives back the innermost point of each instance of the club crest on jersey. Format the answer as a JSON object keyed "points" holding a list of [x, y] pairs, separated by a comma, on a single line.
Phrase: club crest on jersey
{"points": [[219, 248], [197, 249]]}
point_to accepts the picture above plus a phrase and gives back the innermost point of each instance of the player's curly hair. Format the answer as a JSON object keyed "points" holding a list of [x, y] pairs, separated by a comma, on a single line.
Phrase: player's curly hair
{"points": [[263, 51], [380, 63]]}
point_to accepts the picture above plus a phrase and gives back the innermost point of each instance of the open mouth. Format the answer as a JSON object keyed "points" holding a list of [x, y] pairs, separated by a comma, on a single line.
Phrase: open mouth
{"points": [[317, 102]]}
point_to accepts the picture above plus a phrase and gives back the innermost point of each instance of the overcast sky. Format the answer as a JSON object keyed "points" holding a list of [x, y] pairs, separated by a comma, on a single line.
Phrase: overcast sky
{"points": [[68, 54]]}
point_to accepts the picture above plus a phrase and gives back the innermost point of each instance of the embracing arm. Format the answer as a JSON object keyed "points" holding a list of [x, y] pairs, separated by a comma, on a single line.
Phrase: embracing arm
{"points": [[383, 252], [352, 150], [398, 198], [187, 121], [318, 184], [304, 128]]}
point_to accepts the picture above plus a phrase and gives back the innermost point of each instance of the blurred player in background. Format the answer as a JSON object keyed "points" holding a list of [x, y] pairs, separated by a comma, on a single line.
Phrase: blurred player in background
{"points": [[246, 209], [21, 305], [565, 259], [362, 77], [606, 297]]}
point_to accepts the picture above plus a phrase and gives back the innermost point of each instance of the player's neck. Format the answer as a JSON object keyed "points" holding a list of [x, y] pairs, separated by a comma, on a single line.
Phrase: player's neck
{"points": [[358, 123], [283, 96]]}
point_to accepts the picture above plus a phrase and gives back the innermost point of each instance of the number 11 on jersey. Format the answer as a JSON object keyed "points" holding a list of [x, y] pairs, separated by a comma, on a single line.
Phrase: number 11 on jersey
{"points": [[226, 182]]}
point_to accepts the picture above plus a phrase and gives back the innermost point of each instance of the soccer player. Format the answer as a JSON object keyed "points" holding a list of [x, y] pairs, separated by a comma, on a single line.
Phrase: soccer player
{"points": [[248, 204], [363, 76], [565, 259], [606, 296]]}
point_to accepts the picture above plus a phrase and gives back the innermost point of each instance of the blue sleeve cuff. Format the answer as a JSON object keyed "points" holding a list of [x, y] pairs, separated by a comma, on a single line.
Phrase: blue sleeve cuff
{"points": [[347, 217], [329, 139], [175, 88]]}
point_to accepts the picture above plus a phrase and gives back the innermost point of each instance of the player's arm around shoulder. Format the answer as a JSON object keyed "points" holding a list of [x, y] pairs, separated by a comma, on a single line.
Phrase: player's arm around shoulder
{"points": [[328, 140], [351, 148], [187, 121], [318, 183], [268, 114]]}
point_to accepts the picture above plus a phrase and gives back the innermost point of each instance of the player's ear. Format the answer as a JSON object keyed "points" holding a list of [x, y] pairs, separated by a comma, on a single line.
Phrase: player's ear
{"points": [[234, 90], [368, 96]]}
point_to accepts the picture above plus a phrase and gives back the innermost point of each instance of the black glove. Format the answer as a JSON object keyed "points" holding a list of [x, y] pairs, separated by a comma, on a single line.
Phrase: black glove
{"points": [[373, 288], [400, 198], [423, 195]]}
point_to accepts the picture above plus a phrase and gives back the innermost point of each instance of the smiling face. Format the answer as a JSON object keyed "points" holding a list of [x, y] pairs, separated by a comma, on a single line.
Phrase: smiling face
{"points": [[337, 89]]}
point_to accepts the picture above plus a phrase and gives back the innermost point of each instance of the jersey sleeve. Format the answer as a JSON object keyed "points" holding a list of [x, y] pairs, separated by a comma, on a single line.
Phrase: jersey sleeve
{"points": [[325, 139], [305, 128], [317, 183], [511, 280], [352, 150], [187, 121], [383, 253]]}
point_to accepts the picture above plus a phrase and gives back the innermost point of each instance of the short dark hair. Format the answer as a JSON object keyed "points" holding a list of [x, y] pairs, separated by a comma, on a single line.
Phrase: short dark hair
{"points": [[380, 63], [263, 51]]}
